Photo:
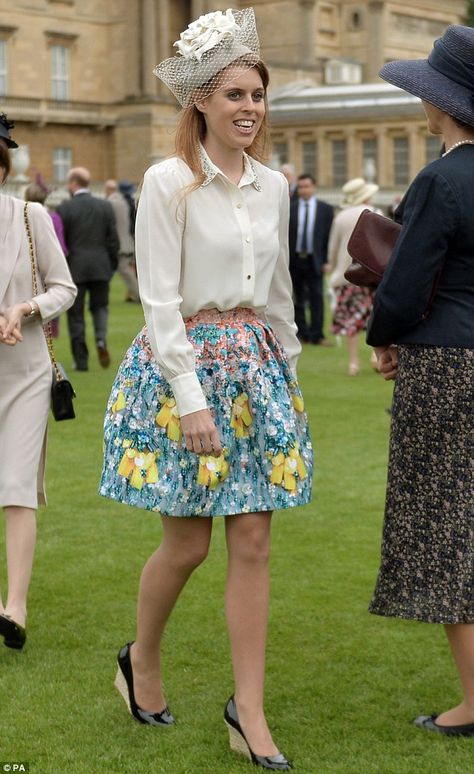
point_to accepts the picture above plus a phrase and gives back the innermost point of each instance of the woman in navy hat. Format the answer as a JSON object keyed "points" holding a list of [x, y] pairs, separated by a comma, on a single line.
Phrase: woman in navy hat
{"points": [[426, 571]]}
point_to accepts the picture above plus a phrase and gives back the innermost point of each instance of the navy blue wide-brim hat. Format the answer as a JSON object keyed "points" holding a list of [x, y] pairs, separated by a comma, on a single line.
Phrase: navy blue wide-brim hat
{"points": [[5, 126], [445, 79]]}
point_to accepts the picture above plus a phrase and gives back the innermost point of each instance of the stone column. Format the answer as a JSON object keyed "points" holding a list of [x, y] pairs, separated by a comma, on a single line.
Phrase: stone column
{"points": [[324, 161], [353, 161], [198, 8], [294, 156], [163, 30], [149, 82], [130, 50], [384, 163], [307, 29], [375, 39], [415, 150]]}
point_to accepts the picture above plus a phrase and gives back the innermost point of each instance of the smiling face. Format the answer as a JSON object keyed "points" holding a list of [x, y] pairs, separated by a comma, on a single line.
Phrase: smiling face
{"points": [[235, 113]]}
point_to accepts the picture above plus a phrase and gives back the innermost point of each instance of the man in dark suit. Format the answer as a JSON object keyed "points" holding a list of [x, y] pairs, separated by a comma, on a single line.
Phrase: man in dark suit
{"points": [[93, 243], [288, 171], [310, 224]]}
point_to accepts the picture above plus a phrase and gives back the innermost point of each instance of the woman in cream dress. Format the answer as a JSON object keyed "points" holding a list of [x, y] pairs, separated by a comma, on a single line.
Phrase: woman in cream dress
{"points": [[353, 304], [25, 378]]}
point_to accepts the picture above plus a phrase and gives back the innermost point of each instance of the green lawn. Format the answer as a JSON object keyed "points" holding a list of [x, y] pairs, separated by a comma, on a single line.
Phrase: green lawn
{"points": [[342, 686]]}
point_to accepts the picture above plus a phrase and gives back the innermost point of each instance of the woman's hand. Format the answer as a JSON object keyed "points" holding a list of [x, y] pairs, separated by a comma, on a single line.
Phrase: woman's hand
{"points": [[387, 361], [9, 338], [200, 433], [14, 316]]}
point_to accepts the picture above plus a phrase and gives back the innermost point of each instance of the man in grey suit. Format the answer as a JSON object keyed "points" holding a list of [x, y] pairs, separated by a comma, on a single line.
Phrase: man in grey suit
{"points": [[93, 243], [126, 259]]}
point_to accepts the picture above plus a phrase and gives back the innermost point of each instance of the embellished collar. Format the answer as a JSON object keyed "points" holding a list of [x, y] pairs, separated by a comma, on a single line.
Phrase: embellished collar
{"points": [[249, 177]]}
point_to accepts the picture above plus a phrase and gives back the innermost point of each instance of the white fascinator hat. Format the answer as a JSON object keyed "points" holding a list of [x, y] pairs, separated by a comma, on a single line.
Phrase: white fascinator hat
{"points": [[205, 49]]}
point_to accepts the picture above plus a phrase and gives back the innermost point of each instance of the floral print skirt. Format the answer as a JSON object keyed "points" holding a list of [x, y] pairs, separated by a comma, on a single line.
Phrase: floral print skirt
{"points": [[427, 567], [352, 312], [266, 462]]}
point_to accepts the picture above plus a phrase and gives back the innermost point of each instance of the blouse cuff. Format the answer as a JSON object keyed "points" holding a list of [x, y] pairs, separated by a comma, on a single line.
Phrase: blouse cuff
{"points": [[188, 393]]}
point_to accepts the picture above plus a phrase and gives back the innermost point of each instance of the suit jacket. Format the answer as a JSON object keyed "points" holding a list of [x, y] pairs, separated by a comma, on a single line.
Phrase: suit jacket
{"points": [[122, 218], [322, 228], [91, 237], [437, 217]]}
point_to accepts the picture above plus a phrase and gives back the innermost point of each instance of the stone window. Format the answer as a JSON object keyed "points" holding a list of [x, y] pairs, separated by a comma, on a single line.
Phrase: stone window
{"points": [[62, 163], [280, 151], [432, 148], [401, 162], [3, 68], [60, 72], [310, 158], [355, 19], [339, 162]]}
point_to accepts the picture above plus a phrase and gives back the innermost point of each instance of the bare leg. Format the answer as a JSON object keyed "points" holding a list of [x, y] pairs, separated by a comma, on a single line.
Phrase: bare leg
{"points": [[352, 347], [20, 532], [247, 595], [461, 640], [184, 546]]}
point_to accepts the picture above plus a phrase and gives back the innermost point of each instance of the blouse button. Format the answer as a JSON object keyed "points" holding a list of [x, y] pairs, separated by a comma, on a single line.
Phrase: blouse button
{"points": [[247, 239], [239, 205], [249, 276]]}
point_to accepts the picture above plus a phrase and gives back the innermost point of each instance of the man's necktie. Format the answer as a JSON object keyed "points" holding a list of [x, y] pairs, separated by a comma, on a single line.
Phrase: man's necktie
{"points": [[304, 238]]}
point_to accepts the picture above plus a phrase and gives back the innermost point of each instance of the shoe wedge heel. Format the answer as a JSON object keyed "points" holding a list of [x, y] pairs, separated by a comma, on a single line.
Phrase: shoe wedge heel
{"points": [[124, 684], [237, 742], [121, 686]]}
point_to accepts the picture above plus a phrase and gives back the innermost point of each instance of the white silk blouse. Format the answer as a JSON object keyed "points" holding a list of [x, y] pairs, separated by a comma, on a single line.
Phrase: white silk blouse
{"points": [[219, 246]]}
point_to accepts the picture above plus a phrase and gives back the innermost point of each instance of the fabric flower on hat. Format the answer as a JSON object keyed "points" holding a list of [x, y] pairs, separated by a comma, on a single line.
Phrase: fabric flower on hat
{"points": [[205, 33]]}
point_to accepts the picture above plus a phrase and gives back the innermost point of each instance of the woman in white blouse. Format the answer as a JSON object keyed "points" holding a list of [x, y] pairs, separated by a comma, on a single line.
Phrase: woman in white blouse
{"points": [[205, 418]]}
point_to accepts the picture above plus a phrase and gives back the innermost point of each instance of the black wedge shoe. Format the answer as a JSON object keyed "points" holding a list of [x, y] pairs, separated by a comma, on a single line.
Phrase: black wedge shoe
{"points": [[428, 722], [239, 744], [14, 635], [124, 685]]}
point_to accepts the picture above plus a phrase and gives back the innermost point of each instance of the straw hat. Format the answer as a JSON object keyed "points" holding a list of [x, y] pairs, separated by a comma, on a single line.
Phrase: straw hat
{"points": [[445, 79], [357, 191]]}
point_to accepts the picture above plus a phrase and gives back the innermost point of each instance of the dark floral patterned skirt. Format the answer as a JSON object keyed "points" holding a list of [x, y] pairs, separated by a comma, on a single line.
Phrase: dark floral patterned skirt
{"points": [[267, 458], [427, 567], [352, 312]]}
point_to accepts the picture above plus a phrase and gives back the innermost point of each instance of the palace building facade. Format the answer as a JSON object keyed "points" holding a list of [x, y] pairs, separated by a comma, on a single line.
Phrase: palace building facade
{"points": [[77, 78]]}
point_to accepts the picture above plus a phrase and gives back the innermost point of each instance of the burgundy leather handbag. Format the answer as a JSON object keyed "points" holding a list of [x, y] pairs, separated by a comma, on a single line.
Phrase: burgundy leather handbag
{"points": [[370, 247]]}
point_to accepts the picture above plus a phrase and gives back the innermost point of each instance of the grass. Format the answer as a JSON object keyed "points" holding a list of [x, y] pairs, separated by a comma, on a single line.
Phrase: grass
{"points": [[342, 686]]}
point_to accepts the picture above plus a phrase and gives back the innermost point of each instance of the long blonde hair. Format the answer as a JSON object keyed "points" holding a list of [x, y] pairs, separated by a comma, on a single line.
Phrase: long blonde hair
{"points": [[192, 127]]}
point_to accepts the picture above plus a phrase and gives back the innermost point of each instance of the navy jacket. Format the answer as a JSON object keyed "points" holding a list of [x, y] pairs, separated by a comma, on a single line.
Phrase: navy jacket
{"points": [[437, 216], [91, 236], [322, 227]]}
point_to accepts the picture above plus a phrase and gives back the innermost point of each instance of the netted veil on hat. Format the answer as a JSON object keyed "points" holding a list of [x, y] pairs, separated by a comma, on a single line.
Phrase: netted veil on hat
{"points": [[205, 49]]}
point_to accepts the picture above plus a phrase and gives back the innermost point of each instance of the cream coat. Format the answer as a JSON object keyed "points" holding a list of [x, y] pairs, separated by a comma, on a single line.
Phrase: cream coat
{"points": [[25, 369]]}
